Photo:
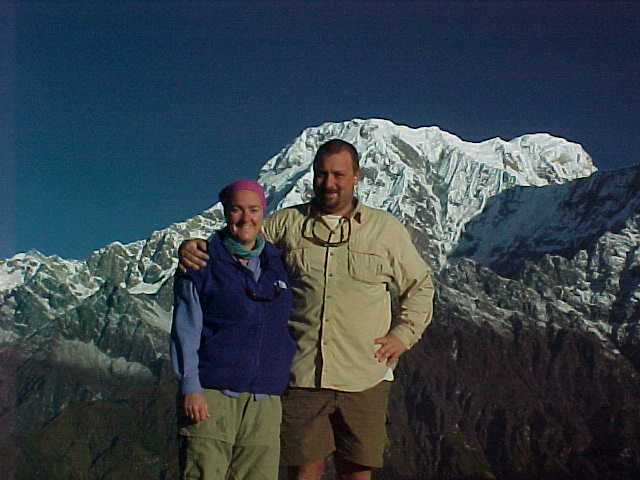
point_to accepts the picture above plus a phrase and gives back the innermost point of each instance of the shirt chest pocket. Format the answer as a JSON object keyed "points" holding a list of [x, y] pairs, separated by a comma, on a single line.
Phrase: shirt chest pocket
{"points": [[366, 266], [305, 261]]}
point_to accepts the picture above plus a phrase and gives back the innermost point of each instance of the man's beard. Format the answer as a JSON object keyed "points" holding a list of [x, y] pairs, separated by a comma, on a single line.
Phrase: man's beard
{"points": [[324, 203]]}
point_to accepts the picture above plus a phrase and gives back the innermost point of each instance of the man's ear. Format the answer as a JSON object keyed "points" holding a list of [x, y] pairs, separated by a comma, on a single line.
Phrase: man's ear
{"points": [[357, 178]]}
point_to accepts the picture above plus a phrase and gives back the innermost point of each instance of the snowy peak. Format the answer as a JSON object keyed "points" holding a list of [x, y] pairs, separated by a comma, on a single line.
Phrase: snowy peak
{"points": [[534, 159], [537, 159], [526, 222], [577, 245], [36, 271], [430, 179]]}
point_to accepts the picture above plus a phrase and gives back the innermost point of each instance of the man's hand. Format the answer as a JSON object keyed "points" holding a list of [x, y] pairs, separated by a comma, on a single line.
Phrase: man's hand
{"points": [[192, 254], [195, 407], [390, 349]]}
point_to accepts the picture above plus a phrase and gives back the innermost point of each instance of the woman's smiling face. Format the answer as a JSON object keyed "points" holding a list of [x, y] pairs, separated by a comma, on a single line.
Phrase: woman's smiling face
{"points": [[244, 216]]}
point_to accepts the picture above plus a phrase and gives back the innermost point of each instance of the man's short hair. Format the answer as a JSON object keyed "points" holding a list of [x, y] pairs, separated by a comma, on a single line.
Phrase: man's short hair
{"points": [[336, 146]]}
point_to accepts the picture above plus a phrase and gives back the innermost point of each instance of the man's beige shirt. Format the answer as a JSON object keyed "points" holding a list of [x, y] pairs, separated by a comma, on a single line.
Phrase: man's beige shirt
{"points": [[341, 298]]}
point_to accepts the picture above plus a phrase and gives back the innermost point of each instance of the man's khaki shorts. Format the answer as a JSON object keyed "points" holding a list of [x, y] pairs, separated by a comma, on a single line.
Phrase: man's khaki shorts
{"points": [[317, 422]]}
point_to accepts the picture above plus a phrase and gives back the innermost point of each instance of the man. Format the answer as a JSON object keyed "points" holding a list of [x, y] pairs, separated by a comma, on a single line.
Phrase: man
{"points": [[342, 256]]}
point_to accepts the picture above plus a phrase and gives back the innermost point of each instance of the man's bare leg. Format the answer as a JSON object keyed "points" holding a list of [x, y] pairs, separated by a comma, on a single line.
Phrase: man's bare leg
{"points": [[351, 471], [308, 471]]}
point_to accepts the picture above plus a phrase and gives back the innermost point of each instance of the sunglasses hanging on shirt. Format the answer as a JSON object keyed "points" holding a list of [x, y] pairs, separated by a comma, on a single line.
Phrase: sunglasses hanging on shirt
{"points": [[345, 232]]}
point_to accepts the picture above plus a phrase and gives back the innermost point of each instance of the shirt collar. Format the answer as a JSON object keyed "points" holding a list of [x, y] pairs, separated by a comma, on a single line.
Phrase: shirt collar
{"points": [[356, 214]]}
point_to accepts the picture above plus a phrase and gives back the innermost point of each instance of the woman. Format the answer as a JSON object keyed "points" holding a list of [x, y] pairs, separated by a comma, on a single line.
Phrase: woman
{"points": [[231, 347]]}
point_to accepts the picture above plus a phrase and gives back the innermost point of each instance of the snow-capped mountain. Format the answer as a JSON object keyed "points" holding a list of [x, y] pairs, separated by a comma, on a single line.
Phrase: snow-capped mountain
{"points": [[430, 179], [524, 236]]}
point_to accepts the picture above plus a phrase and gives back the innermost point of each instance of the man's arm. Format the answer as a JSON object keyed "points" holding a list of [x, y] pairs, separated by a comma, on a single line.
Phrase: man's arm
{"points": [[412, 276], [192, 254], [186, 329]]}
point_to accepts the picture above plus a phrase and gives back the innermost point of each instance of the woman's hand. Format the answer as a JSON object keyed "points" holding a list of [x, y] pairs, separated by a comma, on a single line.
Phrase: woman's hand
{"points": [[195, 407]]}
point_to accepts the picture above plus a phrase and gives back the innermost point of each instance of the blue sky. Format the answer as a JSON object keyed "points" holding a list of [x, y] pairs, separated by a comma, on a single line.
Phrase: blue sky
{"points": [[123, 119]]}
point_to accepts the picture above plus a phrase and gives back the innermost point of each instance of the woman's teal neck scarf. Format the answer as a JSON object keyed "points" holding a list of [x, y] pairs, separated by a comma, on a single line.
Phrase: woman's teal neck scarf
{"points": [[236, 249]]}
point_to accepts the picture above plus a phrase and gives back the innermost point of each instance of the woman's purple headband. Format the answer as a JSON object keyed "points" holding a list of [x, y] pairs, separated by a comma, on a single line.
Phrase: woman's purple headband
{"points": [[243, 184]]}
